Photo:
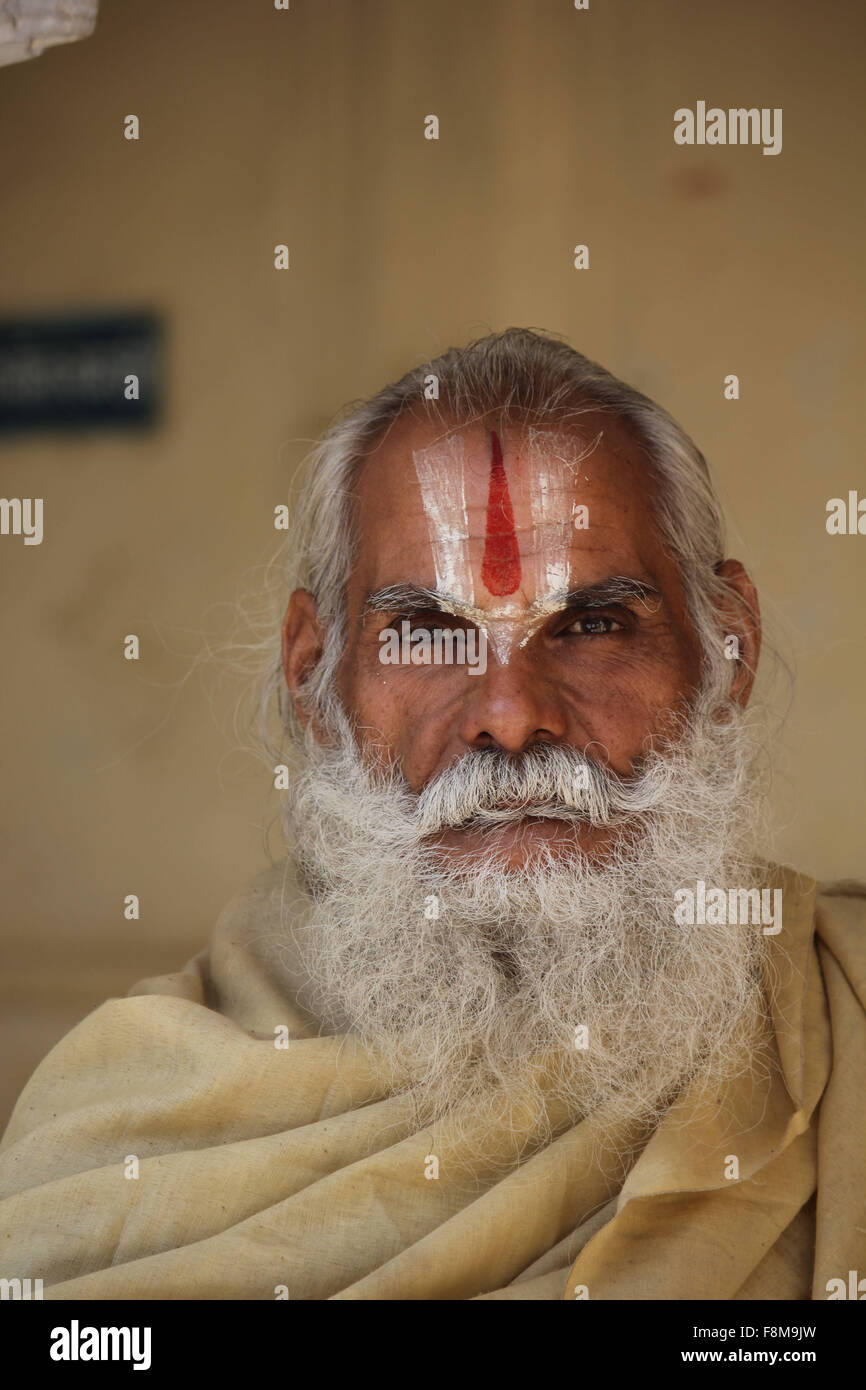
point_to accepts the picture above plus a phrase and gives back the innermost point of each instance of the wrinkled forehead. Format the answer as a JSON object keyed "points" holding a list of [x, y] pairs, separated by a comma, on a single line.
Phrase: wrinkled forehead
{"points": [[501, 507], [534, 471], [491, 509], [539, 464]]}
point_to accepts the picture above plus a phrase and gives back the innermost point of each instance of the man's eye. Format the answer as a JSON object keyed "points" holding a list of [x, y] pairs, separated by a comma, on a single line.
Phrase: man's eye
{"points": [[593, 626]]}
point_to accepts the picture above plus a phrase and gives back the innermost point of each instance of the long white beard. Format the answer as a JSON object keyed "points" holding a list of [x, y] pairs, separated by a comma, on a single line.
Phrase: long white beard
{"points": [[459, 981]]}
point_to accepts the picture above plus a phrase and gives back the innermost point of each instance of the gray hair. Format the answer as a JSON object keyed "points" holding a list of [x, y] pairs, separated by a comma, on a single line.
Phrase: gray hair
{"points": [[520, 376]]}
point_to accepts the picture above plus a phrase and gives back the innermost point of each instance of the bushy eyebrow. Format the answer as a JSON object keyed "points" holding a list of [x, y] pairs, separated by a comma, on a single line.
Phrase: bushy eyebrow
{"points": [[618, 589], [417, 598], [409, 598]]}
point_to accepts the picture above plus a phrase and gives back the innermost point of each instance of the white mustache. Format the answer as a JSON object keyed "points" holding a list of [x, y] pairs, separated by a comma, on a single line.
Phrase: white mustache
{"points": [[488, 788]]}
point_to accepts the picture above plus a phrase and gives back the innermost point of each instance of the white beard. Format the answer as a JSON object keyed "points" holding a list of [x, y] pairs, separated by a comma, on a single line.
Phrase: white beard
{"points": [[458, 1004]]}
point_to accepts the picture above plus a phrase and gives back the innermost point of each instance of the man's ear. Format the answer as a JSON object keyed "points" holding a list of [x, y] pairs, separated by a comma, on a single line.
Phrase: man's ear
{"points": [[740, 616], [303, 638]]}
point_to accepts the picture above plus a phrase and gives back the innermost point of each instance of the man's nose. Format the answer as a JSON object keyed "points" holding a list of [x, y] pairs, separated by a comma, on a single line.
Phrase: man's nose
{"points": [[511, 707]]}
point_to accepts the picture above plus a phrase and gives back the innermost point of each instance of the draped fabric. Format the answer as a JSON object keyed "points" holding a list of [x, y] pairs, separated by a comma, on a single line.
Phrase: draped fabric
{"points": [[272, 1162]]}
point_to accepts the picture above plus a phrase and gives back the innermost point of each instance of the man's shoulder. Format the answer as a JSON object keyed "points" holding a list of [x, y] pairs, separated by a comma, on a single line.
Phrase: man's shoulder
{"points": [[840, 924], [248, 971], [843, 888], [237, 930], [843, 900], [196, 1023]]}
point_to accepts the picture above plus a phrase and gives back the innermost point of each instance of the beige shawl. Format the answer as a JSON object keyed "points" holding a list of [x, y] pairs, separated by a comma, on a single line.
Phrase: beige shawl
{"points": [[169, 1148]]}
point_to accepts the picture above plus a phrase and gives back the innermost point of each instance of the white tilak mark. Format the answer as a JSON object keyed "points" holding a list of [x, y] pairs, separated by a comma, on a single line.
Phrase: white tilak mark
{"points": [[554, 461], [500, 628], [502, 634], [554, 468], [439, 469]]}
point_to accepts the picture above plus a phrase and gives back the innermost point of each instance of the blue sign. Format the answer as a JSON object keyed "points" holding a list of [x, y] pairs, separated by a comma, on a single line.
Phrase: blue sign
{"points": [[77, 372]]}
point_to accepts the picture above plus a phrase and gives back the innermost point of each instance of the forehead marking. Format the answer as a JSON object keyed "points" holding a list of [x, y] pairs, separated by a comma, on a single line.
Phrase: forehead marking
{"points": [[500, 568], [555, 468], [554, 461], [439, 469]]}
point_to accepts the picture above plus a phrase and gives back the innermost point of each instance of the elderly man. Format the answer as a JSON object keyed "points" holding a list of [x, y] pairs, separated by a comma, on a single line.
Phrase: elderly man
{"points": [[524, 1014]]}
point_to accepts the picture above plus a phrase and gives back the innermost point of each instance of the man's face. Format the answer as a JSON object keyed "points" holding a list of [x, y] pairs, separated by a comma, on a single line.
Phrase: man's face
{"points": [[551, 920], [492, 521]]}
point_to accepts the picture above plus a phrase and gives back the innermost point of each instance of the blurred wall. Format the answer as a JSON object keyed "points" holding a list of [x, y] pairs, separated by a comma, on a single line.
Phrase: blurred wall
{"points": [[307, 127]]}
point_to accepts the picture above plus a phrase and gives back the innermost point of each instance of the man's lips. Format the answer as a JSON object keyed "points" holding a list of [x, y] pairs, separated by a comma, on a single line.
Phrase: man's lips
{"points": [[513, 810], [504, 816]]}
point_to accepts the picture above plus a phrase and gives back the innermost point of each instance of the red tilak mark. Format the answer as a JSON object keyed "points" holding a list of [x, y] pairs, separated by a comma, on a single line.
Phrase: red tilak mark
{"points": [[500, 568]]}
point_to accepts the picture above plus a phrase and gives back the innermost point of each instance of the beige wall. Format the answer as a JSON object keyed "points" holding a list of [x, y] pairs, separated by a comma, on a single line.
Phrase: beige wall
{"points": [[259, 127]]}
